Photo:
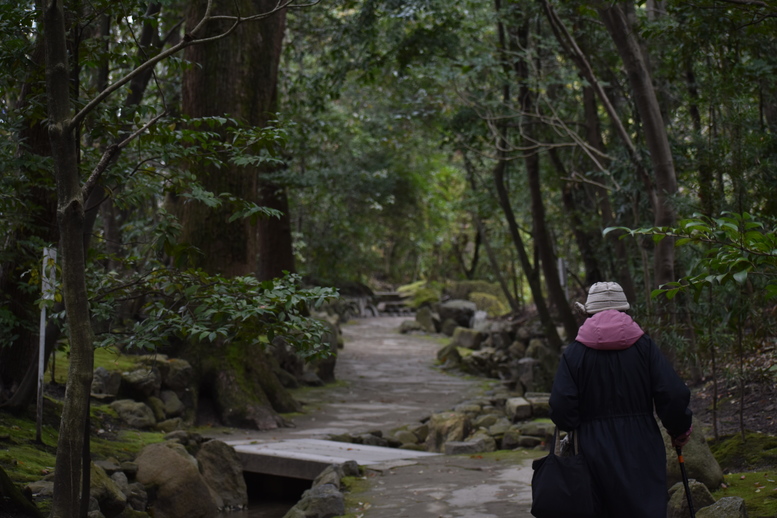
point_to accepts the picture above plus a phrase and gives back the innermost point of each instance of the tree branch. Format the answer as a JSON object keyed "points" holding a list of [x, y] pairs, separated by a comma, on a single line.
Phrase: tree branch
{"points": [[189, 39], [111, 152]]}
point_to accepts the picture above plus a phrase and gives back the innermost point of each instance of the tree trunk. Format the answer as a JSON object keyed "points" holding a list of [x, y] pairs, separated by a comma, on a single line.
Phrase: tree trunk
{"points": [[498, 174], [616, 18], [482, 237], [531, 273], [69, 478], [541, 235], [237, 78]]}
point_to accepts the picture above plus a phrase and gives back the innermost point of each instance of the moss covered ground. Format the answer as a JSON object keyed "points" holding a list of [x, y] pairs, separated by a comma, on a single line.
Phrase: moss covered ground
{"points": [[750, 465], [757, 488]]}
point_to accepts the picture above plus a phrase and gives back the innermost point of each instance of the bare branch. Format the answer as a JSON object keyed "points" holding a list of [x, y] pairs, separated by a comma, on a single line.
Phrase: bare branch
{"points": [[189, 40], [110, 153]]}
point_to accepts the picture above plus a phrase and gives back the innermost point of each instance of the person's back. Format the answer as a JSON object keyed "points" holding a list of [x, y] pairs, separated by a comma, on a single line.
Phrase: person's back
{"points": [[606, 386]]}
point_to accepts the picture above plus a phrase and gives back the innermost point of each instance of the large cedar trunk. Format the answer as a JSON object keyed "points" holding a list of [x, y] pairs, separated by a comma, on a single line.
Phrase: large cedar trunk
{"points": [[237, 77]]}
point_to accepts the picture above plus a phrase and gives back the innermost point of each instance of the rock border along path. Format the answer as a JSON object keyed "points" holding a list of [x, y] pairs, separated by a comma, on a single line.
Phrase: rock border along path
{"points": [[390, 380]]}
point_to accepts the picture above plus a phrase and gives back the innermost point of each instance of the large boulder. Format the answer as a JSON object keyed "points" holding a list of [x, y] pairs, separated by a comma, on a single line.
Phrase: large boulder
{"points": [[106, 382], [700, 464], [678, 500], [141, 383], [429, 320], [489, 303], [108, 494], [532, 375], [323, 501], [511, 439], [173, 406], [726, 507], [134, 413], [449, 356], [173, 475], [469, 338], [447, 426], [177, 374], [538, 350], [411, 326], [460, 311], [517, 409], [332, 474], [223, 472]]}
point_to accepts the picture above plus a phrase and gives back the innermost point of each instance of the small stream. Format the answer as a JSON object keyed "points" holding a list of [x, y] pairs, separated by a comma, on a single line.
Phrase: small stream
{"points": [[269, 496]]}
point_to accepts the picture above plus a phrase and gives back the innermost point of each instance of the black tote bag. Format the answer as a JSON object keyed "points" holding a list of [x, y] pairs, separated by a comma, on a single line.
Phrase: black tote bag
{"points": [[561, 486]]}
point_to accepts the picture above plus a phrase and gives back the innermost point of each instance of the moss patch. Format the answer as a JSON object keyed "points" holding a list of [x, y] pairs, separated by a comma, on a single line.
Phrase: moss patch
{"points": [[109, 358], [757, 451], [26, 460], [757, 488], [354, 489], [125, 446]]}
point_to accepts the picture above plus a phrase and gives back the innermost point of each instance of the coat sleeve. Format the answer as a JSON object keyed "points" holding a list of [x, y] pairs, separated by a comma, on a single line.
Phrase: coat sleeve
{"points": [[564, 400], [670, 394]]}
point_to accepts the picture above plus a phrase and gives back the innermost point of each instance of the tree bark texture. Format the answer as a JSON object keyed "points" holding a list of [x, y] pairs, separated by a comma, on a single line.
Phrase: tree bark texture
{"points": [[69, 472], [237, 77], [616, 18]]}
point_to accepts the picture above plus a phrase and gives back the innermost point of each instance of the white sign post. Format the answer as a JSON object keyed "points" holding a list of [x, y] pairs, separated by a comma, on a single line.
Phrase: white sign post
{"points": [[48, 278]]}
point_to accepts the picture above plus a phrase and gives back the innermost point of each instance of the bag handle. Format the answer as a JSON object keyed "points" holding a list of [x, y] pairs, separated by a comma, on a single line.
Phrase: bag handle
{"points": [[557, 442]]}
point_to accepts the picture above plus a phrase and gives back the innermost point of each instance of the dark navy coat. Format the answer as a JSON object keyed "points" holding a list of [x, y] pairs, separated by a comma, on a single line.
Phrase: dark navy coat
{"points": [[608, 384]]}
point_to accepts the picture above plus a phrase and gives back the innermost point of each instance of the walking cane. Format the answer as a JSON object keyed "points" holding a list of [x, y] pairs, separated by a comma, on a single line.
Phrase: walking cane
{"points": [[685, 480]]}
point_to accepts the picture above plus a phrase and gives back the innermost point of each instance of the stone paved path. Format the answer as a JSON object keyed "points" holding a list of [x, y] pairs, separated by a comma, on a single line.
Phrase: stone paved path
{"points": [[390, 380]]}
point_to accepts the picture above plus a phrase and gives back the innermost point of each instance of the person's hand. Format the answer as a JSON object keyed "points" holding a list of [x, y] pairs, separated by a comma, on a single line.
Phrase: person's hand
{"points": [[682, 439]]}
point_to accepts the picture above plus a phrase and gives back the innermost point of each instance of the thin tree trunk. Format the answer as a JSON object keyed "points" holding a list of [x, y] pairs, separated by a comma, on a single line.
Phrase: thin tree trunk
{"points": [[616, 18], [541, 235], [499, 173], [497, 271], [69, 472], [531, 273]]}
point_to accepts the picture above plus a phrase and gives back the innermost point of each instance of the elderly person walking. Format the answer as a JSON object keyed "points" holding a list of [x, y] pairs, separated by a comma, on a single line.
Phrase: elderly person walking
{"points": [[610, 380]]}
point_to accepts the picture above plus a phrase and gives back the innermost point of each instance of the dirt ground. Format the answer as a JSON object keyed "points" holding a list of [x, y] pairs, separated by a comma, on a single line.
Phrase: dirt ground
{"points": [[760, 405]]}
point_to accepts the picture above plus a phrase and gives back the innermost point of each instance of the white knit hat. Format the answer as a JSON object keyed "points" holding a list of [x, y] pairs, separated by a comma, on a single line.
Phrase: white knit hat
{"points": [[603, 296]]}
